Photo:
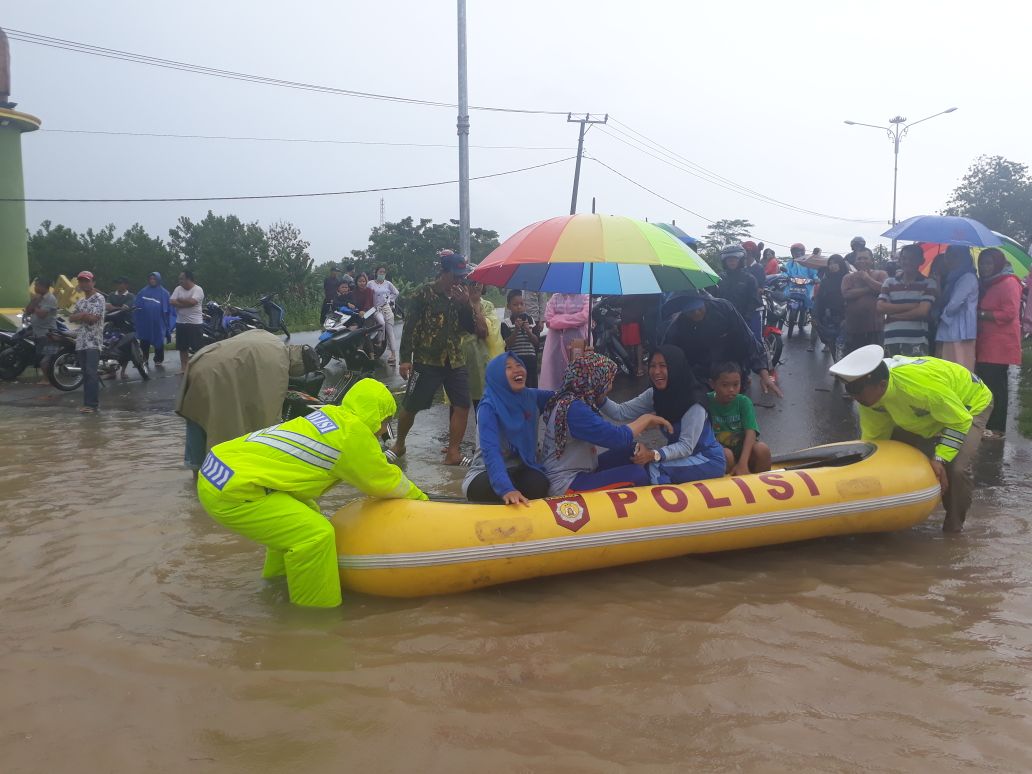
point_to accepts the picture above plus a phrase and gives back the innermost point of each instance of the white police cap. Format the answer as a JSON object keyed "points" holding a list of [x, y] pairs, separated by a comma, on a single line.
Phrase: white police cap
{"points": [[858, 363]]}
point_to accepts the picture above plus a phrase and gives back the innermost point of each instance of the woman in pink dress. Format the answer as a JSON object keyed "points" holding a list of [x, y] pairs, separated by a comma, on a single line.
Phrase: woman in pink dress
{"points": [[566, 315]]}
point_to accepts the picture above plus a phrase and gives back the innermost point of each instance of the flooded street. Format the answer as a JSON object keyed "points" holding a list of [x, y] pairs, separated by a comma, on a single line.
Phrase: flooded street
{"points": [[137, 635]]}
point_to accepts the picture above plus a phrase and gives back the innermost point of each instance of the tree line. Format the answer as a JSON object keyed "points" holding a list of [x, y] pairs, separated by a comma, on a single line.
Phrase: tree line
{"points": [[230, 256]]}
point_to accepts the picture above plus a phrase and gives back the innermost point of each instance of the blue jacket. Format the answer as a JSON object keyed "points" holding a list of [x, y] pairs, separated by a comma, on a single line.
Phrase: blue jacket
{"points": [[587, 431], [492, 446]]}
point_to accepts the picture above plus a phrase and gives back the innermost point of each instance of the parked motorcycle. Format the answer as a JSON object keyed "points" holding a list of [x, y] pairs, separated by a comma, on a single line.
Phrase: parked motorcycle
{"points": [[239, 319], [18, 349], [212, 325], [605, 336], [798, 303], [353, 338], [120, 346], [775, 312]]}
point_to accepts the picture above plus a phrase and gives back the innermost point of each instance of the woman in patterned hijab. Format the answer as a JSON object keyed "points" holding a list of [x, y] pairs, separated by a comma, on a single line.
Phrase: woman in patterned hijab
{"points": [[574, 428]]}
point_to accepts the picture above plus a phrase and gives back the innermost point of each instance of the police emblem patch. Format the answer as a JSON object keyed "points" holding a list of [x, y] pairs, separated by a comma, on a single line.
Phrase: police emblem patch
{"points": [[570, 511], [321, 422]]}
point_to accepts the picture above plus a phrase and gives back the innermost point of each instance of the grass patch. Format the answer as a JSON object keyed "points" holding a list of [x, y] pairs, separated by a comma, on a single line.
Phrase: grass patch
{"points": [[1025, 392]]}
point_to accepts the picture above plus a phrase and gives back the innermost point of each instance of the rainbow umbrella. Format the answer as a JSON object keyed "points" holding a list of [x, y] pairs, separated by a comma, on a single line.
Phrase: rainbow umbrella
{"points": [[680, 234], [1019, 260], [596, 254]]}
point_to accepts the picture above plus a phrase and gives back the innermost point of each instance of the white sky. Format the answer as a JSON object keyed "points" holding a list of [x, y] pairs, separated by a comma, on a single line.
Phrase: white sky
{"points": [[756, 91]]}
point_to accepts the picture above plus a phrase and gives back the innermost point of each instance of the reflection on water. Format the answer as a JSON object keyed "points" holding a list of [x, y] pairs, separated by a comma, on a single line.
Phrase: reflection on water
{"points": [[138, 635]]}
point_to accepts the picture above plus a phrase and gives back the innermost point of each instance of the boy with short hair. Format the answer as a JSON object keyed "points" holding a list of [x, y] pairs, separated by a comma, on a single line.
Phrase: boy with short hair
{"points": [[521, 335], [734, 422]]}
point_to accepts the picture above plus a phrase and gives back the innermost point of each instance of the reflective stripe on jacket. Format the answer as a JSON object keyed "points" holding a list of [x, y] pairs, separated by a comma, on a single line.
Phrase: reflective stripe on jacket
{"points": [[307, 455], [929, 397]]}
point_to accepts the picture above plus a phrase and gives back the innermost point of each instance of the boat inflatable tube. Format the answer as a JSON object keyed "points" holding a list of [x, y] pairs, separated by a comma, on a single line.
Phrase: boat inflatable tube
{"points": [[409, 548]]}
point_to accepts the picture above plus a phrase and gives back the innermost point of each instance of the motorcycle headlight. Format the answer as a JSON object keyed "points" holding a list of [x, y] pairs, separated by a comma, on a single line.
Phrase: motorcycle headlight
{"points": [[328, 324]]}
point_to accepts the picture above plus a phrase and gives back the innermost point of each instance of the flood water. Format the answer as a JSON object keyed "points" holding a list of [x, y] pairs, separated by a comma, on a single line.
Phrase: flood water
{"points": [[137, 635]]}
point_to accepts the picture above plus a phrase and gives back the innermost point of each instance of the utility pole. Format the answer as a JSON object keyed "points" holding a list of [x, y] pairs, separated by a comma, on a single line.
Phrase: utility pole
{"points": [[462, 127], [382, 218], [584, 122]]}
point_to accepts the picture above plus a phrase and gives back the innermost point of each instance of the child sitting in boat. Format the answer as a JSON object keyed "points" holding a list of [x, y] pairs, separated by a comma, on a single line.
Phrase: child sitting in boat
{"points": [[692, 453], [574, 428], [505, 467], [734, 422]]}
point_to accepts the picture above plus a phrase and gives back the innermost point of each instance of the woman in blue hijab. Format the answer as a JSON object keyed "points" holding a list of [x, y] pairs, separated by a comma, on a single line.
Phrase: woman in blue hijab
{"points": [[153, 317], [505, 467]]}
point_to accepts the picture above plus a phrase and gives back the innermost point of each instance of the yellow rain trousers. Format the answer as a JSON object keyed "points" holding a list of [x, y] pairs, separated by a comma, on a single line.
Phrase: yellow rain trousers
{"points": [[263, 486]]}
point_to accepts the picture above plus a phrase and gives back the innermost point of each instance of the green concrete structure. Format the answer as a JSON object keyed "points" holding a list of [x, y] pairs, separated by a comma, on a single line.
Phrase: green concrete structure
{"points": [[14, 255]]}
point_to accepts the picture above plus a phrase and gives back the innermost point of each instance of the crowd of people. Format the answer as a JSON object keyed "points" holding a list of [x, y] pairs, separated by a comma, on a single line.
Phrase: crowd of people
{"points": [[542, 403], [156, 314], [972, 318]]}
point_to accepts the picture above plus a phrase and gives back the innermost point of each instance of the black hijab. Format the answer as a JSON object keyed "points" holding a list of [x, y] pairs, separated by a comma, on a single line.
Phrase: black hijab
{"points": [[830, 290], [683, 390]]}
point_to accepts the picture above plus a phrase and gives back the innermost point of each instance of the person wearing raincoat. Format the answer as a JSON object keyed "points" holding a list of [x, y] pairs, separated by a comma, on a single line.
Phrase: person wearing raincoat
{"points": [[153, 317], [566, 315], [263, 486]]}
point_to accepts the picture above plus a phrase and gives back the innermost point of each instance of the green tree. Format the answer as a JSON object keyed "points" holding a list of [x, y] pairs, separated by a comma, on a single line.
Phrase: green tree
{"points": [[226, 255], [998, 193], [289, 261], [410, 247], [55, 250], [720, 234]]}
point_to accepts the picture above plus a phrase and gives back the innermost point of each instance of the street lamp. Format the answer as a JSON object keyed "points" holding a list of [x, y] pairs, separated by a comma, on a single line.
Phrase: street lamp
{"points": [[897, 132]]}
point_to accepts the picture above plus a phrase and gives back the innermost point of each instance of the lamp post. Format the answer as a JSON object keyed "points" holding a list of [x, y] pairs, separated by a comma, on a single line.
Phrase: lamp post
{"points": [[897, 132]]}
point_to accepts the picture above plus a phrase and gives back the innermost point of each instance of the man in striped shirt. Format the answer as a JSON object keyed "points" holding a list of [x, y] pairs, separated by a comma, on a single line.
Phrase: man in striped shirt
{"points": [[906, 301]]}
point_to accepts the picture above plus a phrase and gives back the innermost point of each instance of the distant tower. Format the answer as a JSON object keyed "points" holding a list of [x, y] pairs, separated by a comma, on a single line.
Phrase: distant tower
{"points": [[382, 219], [14, 255]]}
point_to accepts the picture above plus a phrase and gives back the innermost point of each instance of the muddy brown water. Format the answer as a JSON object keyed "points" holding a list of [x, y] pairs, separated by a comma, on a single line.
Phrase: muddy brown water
{"points": [[136, 635]]}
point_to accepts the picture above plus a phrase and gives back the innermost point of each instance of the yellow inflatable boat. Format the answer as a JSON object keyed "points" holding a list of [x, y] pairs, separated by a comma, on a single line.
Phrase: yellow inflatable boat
{"points": [[404, 548]]}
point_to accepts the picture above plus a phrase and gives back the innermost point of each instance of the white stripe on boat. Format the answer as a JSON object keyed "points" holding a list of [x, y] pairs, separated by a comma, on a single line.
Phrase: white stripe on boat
{"points": [[618, 537]]}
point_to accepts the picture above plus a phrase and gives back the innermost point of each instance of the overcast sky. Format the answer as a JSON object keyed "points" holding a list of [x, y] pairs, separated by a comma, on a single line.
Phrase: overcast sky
{"points": [[754, 91]]}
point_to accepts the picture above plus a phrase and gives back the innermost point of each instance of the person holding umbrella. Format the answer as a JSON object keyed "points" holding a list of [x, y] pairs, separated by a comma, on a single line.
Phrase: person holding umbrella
{"points": [[958, 321]]}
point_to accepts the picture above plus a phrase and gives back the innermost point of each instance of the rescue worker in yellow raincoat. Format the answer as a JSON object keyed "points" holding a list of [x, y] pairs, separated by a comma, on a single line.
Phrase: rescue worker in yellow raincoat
{"points": [[263, 486], [923, 401]]}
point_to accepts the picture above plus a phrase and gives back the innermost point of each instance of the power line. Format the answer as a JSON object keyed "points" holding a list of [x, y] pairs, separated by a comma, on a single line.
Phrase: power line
{"points": [[649, 147], [171, 64], [658, 195], [295, 195], [47, 130]]}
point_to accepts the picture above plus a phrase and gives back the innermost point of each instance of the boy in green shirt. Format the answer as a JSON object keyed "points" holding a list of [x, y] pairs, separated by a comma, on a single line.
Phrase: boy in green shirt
{"points": [[734, 422]]}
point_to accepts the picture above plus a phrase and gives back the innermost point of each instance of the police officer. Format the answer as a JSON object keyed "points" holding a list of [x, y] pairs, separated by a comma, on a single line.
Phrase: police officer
{"points": [[915, 398], [263, 486]]}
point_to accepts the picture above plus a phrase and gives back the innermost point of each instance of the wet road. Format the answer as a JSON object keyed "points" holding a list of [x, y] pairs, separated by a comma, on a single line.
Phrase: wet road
{"points": [[137, 635]]}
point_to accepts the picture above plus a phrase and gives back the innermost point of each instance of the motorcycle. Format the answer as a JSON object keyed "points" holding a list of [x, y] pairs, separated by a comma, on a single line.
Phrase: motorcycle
{"points": [[798, 302], [120, 346], [18, 349], [353, 338], [213, 329], [239, 319], [605, 336], [775, 312]]}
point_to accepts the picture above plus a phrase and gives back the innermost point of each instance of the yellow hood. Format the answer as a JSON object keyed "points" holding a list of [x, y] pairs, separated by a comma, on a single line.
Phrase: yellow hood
{"points": [[371, 402]]}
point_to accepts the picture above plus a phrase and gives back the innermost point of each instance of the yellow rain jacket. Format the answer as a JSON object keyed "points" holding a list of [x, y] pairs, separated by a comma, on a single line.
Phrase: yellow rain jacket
{"points": [[307, 455], [928, 397]]}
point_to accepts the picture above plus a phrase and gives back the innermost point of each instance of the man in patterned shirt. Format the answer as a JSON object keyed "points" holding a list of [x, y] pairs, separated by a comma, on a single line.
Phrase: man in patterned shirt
{"points": [[431, 354], [89, 339]]}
